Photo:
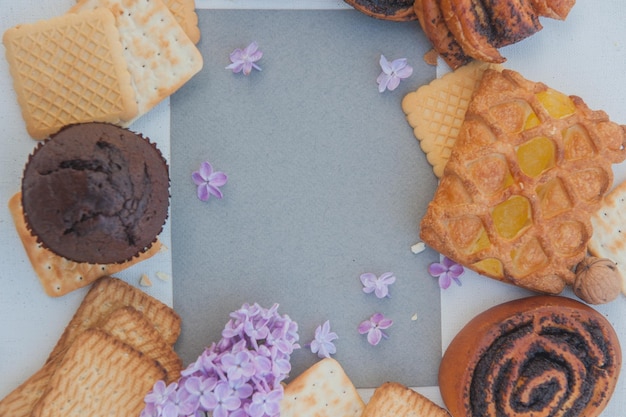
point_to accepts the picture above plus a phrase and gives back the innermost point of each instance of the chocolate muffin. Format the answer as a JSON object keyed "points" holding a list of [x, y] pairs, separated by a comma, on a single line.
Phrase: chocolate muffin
{"points": [[96, 193]]}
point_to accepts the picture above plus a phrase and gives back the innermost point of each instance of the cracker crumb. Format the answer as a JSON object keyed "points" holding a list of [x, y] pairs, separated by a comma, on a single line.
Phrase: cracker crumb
{"points": [[419, 247], [163, 276], [431, 57], [414, 317], [144, 281]]}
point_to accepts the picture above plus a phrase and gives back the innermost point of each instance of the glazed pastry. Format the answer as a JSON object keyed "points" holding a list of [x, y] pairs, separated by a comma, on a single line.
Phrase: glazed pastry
{"points": [[538, 356], [528, 168]]}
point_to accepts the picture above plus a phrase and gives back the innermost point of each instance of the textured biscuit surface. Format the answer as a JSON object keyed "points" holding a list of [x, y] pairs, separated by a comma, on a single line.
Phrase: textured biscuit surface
{"points": [[159, 54], [609, 230], [69, 69], [185, 13], [436, 111], [57, 275], [392, 399], [99, 376], [323, 390]]}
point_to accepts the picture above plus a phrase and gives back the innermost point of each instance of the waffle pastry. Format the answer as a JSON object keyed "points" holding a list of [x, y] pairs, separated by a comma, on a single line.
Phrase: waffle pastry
{"points": [[529, 167]]}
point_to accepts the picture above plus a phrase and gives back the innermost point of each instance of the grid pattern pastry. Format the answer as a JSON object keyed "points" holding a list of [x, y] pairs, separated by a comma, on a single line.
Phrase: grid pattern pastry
{"points": [[69, 69], [529, 167], [437, 110]]}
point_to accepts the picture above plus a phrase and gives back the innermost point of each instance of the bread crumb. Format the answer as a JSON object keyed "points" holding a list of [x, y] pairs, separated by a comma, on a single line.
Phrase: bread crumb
{"points": [[163, 276], [414, 317], [144, 281], [431, 57], [419, 247]]}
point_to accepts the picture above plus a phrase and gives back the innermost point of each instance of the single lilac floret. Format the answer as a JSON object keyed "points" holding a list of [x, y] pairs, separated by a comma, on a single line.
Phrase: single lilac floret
{"points": [[392, 73], [208, 181], [245, 60], [374, 327], [323, 343], [378, 285], [447, 271]]}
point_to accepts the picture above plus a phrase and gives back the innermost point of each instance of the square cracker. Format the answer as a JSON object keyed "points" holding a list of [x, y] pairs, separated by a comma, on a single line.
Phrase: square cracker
{"points": [[185, 13], [69, 69], [107, 295], [58, 275], [323, 390], [99, 376], [609, 230], [159, 54], [392, 399]]}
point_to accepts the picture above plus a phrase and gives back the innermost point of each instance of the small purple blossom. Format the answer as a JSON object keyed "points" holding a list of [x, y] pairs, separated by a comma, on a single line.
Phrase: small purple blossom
{"points": [[378, 285], [244, 60], [374, 327], [392, 73], [240, 376], [447, 271], [323, 343], [208, 181]]}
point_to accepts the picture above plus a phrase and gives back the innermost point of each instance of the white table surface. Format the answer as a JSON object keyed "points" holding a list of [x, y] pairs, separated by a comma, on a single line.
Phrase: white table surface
{"points": [[584, 56]]}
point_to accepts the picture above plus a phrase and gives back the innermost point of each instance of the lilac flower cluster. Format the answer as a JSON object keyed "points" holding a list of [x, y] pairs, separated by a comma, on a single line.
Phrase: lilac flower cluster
{"points": [[240, 376]]}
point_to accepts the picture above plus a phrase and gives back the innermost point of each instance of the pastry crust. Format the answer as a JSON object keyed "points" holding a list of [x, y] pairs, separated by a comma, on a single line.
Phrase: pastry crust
{"points": [[545, 354]]}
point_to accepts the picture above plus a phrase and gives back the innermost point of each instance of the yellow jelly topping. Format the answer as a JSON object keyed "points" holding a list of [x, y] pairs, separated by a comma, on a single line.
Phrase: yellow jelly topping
{"points": [[557, 104], [511, 216], [536, 156], [489, 266]]}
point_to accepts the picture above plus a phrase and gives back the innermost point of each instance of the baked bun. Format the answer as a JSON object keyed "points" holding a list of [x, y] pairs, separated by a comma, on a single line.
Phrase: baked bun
{"points": [[396, 10], [541, 356]]}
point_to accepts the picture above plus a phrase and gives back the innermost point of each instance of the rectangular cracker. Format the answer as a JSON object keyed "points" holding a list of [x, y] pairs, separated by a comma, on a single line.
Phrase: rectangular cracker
{"points": [[69, 69], [99, 376], [185, 13], [58, 275], [159, 54], [323, 390], [127, 325], [392, 399], [107, 295], [609, 230]]}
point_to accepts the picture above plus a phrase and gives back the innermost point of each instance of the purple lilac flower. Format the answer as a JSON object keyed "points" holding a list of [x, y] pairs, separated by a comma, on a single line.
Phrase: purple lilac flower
{"points": [[236, 377], [208, 181], [392, 73], [374, 327], [244, 60], [323, 343], [378, 285], [447, 271]]}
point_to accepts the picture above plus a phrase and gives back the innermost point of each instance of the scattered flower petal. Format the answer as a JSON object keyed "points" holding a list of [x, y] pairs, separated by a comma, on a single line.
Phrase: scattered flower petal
{"points": [[208, 181], [245, 60], [374, 327], [392, 73], [323, 343], [447, 271], [377, 285]]}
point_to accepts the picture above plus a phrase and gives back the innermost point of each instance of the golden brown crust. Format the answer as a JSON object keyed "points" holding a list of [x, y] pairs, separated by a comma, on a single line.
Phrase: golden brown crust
{"points": [[513, 224], [512, 20], [559, 352], [555, 9]]}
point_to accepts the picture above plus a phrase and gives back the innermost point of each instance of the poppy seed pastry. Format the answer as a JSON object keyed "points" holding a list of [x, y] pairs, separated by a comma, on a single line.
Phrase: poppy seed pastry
{"points": [[96, 193], [545, 356]]}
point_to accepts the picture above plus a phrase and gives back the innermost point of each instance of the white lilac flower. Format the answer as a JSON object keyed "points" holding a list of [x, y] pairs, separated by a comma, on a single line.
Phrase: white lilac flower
{"points": [[377, 285], [392, 73], [323, 343]]}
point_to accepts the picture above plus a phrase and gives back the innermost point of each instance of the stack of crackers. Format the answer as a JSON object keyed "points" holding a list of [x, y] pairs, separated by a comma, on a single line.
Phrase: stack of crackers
{"points": [[105, 60], [116, 346]]}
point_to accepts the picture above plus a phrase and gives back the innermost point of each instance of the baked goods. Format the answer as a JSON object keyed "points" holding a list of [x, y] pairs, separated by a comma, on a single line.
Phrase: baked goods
{"points": [[185, 13], [131, 320], [96, 193], [69, 69], [159, 55], [57, 275], [463, 29], [323, 390], [392, 399], [528, 168], [609, 237], [436, 111], [540, 356], [397, 10]]}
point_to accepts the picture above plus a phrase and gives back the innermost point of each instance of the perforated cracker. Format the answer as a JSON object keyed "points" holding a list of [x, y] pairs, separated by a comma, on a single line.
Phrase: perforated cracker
{"points": [[529, 167], [69, 69], [436, 111], [392, 399], [57, 275], [185, 13], [159, 54]]}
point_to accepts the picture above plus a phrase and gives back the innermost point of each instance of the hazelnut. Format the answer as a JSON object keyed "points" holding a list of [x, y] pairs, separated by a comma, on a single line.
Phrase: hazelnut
{"points": [[598, 280]]}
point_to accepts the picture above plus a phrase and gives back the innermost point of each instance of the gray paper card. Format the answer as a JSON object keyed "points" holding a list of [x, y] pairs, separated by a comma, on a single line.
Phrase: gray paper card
{"points": [[325, 182]]}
